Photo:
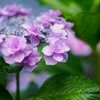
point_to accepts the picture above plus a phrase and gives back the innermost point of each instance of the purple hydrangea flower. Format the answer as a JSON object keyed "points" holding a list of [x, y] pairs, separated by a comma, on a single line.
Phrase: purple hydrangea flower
{"points": [[16, 10], [57, 32], [24, 12], [31, 61], [13, 44], [20, 45], [34, 31], [52, 17], [56, 52], [12, 9], [14, 49]]}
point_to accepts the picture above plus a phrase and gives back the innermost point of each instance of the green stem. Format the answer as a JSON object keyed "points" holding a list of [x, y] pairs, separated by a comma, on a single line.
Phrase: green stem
{"points": [[18, 88], [97, 67]]}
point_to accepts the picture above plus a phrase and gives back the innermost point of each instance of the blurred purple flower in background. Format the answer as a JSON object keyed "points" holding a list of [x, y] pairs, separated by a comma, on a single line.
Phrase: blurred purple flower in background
{"points": [[16, 10], [77, 46], [25, 79]]}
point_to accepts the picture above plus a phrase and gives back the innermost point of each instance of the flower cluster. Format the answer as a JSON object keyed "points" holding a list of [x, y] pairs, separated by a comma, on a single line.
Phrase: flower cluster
{"points": [[13, 10], [20, 39]]}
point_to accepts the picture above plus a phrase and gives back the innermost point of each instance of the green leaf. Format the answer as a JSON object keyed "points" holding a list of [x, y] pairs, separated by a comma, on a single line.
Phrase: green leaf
{"points": [[68, 8], [2, 62], [84, 4], [96, 5], [68, 67], [62, 87], [10, 69], [3, 79], [73, 6], [4, 94], [87, 27]]}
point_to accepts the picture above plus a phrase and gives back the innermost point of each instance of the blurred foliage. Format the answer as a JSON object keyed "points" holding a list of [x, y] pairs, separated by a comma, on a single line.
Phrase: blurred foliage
{"points": [[10, 69], [4, 94], [71, 7], [64, 87], [2, 62], [28, 93], [3, 79], [6, 68], [87, 27], [68, 67]]}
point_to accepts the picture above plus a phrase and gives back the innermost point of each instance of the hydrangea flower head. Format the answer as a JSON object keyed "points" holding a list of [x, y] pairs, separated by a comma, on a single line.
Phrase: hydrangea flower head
{"points": [[20, 37], [13, 44], [32, 60], [56, 52], [32, 29], [57, 32]]}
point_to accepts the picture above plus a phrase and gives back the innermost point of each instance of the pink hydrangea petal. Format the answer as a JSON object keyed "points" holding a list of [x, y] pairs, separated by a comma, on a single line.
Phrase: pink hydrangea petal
{"points": [[26, 26], [37, 29], [40, 35], [15, 46], [47, 51], [26, 33], [35, 53], [18, 64], [18, 56], [66, 48], [29, 68], [59, 46], [31, 61], [1, 40], [9, 59], [34, 57], [6, 51], [1, 18], [69, 25], [63, 46], [49, 60], [58, 57], [55, 13], [22, 41], [65, 57], [28, 49], [34, 40], [8, 40]]}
